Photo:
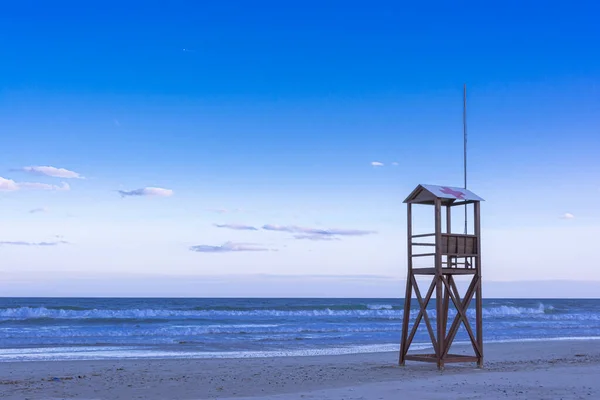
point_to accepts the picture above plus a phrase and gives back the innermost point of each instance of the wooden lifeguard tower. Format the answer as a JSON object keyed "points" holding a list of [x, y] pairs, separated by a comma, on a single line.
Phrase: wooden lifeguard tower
{"points": [[454, 255]]}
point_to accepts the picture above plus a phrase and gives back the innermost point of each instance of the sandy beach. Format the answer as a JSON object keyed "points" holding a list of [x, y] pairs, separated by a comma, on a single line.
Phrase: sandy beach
{"points": [[533, 370]]}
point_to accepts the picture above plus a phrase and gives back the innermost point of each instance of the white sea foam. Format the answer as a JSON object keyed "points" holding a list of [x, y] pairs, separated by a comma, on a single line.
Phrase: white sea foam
{"points": [[372, 311], [176, 331], [87, 353], [510, 310], [379, 306], [114, 352]]}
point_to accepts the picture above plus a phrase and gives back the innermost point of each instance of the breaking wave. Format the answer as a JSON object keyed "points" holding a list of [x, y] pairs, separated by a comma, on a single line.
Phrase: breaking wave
{"points": [[370, 311]]}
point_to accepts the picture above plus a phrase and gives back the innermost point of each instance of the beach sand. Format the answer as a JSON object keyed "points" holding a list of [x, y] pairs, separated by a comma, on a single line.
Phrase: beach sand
{"points": [[532, 370]]}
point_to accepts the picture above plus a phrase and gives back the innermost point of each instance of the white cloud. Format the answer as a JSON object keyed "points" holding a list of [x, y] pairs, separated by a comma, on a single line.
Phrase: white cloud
{"points": [[44, 186], [567, 216], [395, 164], [227, 247], [315, 237], [147, 191], [310, 233], [38, 244], [377, 164], [238, 227], [52, 171], [38, 210], [8, 185]]}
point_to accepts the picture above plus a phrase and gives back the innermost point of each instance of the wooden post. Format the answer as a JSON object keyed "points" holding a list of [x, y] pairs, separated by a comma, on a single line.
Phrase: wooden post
{"points": [[408, 293], [479, 298], [439, 283], [449, 260]]}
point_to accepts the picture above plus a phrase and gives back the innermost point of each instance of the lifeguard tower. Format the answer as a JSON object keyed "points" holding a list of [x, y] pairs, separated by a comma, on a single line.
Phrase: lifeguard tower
{"points": [[453, 255]]}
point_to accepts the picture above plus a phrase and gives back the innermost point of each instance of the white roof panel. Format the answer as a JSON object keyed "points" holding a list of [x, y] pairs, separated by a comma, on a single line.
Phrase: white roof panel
{"points": [[428, 193]]}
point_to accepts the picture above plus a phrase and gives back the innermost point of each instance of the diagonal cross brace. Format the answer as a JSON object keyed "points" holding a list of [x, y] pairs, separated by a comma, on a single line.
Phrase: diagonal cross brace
{"points": [[422, 313], [461, 308]]}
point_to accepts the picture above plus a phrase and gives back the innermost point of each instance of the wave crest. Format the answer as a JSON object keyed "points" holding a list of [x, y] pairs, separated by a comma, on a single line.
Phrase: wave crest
{"points": [[373, 311]]}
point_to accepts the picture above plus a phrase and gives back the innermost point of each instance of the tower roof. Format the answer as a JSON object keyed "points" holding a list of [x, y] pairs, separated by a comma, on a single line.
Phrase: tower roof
{"points": [[426, 194]]}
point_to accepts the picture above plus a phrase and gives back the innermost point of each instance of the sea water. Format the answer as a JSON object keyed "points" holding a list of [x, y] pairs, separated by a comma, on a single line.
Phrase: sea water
{"points": [[100, 328]]}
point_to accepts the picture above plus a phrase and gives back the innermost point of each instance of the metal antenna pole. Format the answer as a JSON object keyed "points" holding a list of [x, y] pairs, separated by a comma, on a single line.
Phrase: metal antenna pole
{"points": [[465, 143]]}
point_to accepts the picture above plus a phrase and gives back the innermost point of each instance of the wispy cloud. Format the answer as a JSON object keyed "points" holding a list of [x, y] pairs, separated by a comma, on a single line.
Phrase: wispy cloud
{"points": [[51, 171], [377, 164], [238, 227], [315, 237], [342, 232], [147, 191], [228, 247], [395, 164], [8, 185], [44, 186], [303, 232], [280, 228], [38, 210], [39, 244], [567, 216]]}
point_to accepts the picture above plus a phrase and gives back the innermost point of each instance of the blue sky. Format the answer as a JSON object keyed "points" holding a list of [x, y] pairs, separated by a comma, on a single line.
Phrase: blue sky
{"points": [[271, 113]]}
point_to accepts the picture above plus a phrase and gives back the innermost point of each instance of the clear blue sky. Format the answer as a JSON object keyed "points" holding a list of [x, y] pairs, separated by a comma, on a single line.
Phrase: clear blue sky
{"points": [[246, 114]]}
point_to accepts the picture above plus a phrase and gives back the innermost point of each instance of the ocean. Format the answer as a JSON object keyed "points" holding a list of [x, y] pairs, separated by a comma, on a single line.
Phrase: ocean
{"points": [[105, 328]]}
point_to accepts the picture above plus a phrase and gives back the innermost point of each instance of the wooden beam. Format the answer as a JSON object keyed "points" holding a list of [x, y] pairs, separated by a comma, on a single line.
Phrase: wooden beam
{"points": [[445, 306], [462, 203], [450, 358], [439, 285], [422, 235], [478, 294], [445, 271], [422, 357], [408, 293], [454, 358]]}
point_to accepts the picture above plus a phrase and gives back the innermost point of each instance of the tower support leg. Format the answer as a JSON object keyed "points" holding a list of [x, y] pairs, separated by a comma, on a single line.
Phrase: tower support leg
{"points": [[405, 320]]}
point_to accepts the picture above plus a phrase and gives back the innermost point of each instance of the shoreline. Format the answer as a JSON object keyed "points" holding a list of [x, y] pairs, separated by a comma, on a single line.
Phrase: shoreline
{"points": [[150, 355], [326, 376]]}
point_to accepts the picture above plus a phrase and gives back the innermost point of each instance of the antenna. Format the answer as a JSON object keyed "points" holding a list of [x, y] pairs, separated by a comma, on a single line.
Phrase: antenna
{"points": [[465, 143]]}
